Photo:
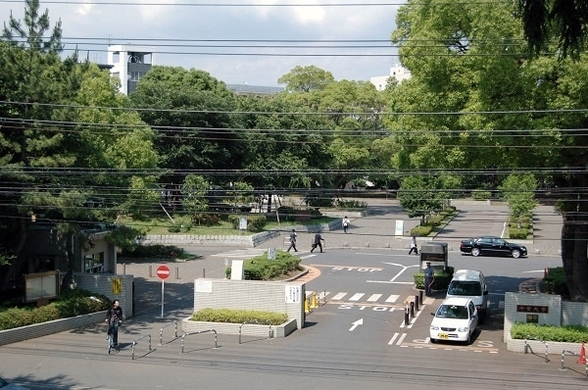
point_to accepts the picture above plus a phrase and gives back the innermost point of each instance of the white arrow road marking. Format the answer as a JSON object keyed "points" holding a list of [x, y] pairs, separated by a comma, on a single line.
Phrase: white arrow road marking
{"points": [[356, 324]]}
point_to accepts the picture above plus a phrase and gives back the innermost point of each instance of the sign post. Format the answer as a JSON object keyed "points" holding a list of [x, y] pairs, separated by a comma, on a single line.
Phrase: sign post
{"points": [[163, 273]]}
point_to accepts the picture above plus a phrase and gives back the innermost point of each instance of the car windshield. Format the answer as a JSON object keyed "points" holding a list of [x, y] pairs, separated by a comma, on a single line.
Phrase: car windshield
{"points": [[452, 311], [3, 383], [463, 288]]}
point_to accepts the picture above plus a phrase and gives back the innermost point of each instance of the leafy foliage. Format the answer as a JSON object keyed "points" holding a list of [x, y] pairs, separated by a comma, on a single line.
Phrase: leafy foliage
{"points": [[566, 334], [70, 303], [260, 268], [240, 316]]}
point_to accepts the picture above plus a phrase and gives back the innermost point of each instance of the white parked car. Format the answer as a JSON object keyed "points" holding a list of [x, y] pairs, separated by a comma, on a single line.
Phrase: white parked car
{"points": [[456, 320]]}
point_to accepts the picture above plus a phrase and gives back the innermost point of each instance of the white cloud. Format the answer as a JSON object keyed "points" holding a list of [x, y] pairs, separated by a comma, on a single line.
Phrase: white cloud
{"points": [[122, 24]]}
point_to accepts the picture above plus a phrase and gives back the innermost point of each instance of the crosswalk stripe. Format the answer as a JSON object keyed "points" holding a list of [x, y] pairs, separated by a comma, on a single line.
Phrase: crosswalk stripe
{"points": [[356, 297], [374, 297], [339, 296], [392, 298]]}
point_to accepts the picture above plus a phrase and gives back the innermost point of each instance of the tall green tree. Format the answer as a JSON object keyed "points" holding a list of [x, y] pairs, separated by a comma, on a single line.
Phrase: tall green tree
{"points": [[493, 110], [306, 79], [190, 113]]}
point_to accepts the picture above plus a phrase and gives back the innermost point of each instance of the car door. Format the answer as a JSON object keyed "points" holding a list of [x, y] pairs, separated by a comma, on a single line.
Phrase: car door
{"points": [[485, 245], [500, 247], [473, 316]]}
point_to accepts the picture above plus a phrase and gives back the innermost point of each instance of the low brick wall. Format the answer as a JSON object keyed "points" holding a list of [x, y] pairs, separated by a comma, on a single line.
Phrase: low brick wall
{"points": [[46, 328], [245, 329]]}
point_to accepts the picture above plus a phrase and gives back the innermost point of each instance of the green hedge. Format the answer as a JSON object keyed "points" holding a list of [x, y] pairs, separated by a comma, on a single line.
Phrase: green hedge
{"points": [[567, 334], [260, 268], [157, 250], [441, 282], [240, 316], [555, 282], [71, 303]]}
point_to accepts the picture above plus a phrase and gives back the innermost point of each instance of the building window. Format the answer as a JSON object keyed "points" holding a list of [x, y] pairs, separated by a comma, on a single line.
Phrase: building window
{"points": [[94, 263]]}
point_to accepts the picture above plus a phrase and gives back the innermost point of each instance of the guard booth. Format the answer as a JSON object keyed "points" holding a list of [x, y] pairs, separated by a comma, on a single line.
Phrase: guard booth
{"points": [[436, 253]]}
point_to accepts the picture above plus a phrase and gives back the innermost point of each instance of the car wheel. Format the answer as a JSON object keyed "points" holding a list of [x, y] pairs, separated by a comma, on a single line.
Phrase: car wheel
{"points": [[516, 253], [475, 251]]}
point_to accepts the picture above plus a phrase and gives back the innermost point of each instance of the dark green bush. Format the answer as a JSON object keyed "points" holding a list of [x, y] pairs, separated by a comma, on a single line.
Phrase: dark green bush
{"points": [[156, 250], [555, 282], [481, 194], [260, 268], [421, 231], [69, 304], [441, 282], [240, 316], [568, 334]]}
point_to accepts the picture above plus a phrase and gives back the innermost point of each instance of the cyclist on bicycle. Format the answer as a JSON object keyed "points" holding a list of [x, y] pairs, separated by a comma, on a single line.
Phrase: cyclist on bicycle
{"points": [[114, 317]]}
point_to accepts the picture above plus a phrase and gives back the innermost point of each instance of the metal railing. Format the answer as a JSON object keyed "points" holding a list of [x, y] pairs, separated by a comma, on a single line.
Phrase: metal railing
{"points": [[200, 332], [270, 335], [135, 342], [566, 352], [528, 347], [175, 324]]}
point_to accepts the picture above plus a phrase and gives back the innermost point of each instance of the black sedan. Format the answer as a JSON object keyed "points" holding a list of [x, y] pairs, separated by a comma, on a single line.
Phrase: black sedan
{"points": [[492, 246]]}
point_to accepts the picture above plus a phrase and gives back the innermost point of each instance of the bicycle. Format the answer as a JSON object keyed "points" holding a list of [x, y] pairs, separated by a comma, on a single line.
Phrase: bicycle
{"points": [[110, 339]]}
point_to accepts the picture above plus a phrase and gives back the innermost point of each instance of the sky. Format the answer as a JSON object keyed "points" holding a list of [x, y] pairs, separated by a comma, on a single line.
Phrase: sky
{"points": [[197, 33]]}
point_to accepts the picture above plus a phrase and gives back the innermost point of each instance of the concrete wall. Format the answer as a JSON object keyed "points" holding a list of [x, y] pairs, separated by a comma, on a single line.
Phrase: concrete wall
{"points": [[574, 313], [279, 297], [108, 285]]}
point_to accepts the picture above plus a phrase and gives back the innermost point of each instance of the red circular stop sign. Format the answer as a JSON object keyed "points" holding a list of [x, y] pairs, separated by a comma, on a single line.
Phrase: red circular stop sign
{"points": [[163, 272]]}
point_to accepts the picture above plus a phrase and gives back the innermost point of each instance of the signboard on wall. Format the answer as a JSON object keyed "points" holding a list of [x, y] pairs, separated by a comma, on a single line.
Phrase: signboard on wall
{"points": [[41, 285]]}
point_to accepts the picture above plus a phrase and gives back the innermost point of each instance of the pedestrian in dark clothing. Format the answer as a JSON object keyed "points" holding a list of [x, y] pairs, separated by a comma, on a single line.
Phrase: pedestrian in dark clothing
{"points": [[292, 241], [429, 278], [413, 246], [114, 317], [317, 242]]}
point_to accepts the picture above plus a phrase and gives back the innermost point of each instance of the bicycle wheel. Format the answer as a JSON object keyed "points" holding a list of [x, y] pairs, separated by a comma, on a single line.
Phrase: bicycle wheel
{"points": [[109, 343]]}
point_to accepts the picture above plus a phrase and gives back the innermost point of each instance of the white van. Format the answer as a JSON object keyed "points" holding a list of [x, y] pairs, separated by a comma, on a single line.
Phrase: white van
{"points": [[468, 283]]}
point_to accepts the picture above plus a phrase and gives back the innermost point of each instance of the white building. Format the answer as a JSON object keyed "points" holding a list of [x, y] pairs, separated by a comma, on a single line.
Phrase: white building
{"points": [[129, 64], [398, 72]]}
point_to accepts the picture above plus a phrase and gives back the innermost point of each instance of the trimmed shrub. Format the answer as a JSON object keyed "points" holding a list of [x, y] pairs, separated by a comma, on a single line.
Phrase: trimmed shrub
{"points": [[156, 250], [567, 334], [555, 283], [441, 282], [481, 194], [260, 268], [69, 304], [240, 316]]}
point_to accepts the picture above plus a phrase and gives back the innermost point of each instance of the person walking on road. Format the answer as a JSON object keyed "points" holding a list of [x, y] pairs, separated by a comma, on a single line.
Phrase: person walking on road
{"points": [[413, 246], [345, 224], [429, 278], [292, 241], [317, 242], [114, 317]]}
